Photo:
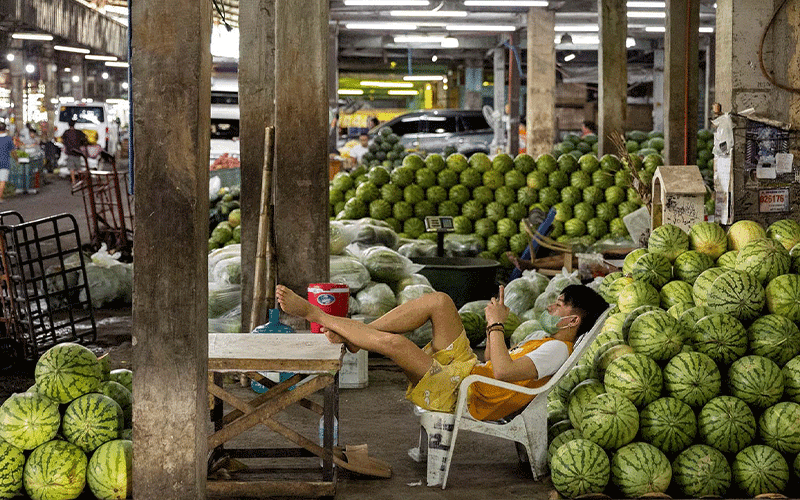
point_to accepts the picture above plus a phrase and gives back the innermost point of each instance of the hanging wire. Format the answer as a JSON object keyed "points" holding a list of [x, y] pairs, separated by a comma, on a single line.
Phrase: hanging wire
{"points": [[220, 8], [764, 71], [513, 49]]}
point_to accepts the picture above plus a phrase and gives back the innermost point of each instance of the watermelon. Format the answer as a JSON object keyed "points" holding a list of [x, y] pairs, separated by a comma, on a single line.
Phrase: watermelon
{"points": [[12, 462], [668, 240], [743, 232], [605, 356], [720, 336], [727, 424], [579, 396], [737, 293], [703, 283], [759, 469], [606, 282], [28, 419], [639, 469], [574, 376], [701, 471], [635, 376], [124, 377], [109, 471], [693, 378], [774, 337], [786, 232], [616, 287], [67, 371], [563, 438], [764, 259], [783, 296], [557, 428], [668, 424], [631, 258], [676, 292], [652, 268], [794, 253], [633, 315], [124, 398], [610, 420], [656, 334], [677, 309], [613, 323], [708, 238], [692, 315], [756, 380], [637, 294], [791, 379], [105, 365], [579, 467], [91, 420], [689, 265], [55, 470], [779, 427], [728, 259]]}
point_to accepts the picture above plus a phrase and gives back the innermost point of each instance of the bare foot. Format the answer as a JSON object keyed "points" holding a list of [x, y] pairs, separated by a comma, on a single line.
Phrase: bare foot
{"points": [[293, 304], [335, 338]]}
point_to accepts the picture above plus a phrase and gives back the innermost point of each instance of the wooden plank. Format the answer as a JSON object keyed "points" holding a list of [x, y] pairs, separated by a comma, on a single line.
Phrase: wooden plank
{"points": [[171, 69], [267, 489], [613, 73], [293, 352]]}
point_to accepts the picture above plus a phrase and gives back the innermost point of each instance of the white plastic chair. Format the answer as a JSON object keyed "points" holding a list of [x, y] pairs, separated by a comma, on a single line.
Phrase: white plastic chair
{"points": [[528, 429]]}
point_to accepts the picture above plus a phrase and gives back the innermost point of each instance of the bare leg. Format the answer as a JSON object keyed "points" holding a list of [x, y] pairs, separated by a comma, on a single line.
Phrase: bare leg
{"points": [[2, 189]]}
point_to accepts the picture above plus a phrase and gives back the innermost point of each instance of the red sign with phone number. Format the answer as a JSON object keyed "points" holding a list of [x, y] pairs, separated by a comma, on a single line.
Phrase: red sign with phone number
{"points": [[773, 200]]}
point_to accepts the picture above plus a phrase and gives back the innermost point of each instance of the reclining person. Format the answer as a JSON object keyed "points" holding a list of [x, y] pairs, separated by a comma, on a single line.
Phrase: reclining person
{"points": [[435, 371]]}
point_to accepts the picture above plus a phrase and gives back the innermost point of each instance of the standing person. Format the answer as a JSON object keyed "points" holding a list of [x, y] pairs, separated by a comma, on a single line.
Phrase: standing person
{"points": [[588, 127], [359, 150], [7, 151], [373, 122], [73, 139], [435, 371]]}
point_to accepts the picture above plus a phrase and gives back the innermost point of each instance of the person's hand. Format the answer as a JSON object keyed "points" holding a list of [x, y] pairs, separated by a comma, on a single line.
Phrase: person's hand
{"points": [[496, 310]]}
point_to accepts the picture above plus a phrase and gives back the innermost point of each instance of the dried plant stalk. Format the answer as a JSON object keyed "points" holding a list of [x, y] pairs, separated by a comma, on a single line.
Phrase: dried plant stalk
{"points": [[640, 186]]}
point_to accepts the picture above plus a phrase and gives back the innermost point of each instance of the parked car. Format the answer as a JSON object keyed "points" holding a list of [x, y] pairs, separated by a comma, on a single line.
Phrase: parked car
{"points": [[434, 130]]}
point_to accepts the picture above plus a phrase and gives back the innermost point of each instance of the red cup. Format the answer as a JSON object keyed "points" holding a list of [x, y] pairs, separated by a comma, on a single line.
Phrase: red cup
{"points": [[333, 298]]}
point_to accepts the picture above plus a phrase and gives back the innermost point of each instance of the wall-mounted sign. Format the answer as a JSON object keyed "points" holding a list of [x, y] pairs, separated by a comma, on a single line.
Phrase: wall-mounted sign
{"points": [[773, 200]]}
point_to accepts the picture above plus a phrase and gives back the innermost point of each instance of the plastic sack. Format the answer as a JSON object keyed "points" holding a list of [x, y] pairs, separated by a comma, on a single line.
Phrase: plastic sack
{"points": [[353, 307], [223, 298], [463, 245], [596, 283], [214, 185], [530, 314], [521, 294], [411, 279], [228, 270], [422, 335], [540, 279], [530, 330], [418, 248], [562, 281], [723, 135], [108, 279], [219, 254], [348, 270], [376, 299], [230, 322], [544, 300], [476, 306], [370, 232], [384, 264], [412, 292], [339, 238]]}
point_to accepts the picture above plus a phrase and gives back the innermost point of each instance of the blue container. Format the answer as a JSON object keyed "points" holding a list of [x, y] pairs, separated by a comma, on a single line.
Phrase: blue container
{"points": [[274, 325]]}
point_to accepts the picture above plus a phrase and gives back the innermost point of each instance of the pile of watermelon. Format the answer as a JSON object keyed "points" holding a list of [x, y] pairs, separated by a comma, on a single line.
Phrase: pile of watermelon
{"points": [[70, 429], [490, 197], [692, 387]]}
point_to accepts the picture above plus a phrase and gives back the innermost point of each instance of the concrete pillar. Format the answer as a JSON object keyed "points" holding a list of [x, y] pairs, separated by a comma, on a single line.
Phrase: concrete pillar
{"points": [[256, 111], [512, 148], [50, 78], [499, 106], [301, 143], [17, 70], [540, 107], [613, 73], [681, 89], [171, 68], [658, 90], [473, 81]]}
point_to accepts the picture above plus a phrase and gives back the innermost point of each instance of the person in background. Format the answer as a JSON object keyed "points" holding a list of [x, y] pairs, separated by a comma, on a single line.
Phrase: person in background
{"points": [[373, 122], [359, 150], [588, 127], [73, 139], [30, 140], [7, 152]]}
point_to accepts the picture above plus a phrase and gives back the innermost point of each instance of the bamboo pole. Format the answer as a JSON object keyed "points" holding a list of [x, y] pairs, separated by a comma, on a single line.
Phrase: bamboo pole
{"points": [[265, 269]]}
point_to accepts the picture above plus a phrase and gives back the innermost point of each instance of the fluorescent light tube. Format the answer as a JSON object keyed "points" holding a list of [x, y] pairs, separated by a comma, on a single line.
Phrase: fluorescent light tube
{"points": [[571, 28], [350, 92], [390, 3], [380, 26], [706, 29], [418, 39], [423, 78], [450, 43], [117, 64], [646, 14], [403, 92], [95, 57], [373, 83], [77, 50], [646, 5], [655, 29], [32, 36], [479, 27], [428, 13], [569, 57], [506, 3]]}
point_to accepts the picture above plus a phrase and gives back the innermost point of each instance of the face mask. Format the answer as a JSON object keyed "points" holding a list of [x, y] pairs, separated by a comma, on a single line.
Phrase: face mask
{"points": [[550, 322]]}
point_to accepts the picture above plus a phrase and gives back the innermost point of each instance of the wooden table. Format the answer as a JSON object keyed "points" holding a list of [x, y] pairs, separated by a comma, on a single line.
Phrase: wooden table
{"points": [[311, 358]]}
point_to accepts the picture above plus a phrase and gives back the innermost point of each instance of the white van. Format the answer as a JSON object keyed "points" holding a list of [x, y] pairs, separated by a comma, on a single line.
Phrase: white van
{"points": [[95, 119], [224, 118]]}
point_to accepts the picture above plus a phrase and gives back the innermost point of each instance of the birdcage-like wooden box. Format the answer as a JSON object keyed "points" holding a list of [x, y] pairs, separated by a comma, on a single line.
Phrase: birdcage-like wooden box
{"points": [[678, 196]]}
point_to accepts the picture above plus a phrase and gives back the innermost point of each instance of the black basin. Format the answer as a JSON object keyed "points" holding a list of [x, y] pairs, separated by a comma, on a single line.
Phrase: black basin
{"points": [[464, 279]]}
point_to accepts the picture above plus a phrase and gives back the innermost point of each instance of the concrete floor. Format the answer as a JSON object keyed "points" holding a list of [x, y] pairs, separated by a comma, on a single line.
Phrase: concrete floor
{"points": [[483, 468]]}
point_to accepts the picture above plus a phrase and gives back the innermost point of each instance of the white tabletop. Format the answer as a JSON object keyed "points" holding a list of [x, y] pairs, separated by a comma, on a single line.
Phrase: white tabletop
{"points": [[291, 352]]}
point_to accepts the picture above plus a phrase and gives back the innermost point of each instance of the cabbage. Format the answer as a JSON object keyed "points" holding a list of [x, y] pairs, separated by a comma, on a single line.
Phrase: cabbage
{"points": [[386, 265], [338, 238], [412, 292], [418, 248], [376, 299], [411, 279], [530, 327], [222, 298], [521, 294], [350, 271], [463, 245]]}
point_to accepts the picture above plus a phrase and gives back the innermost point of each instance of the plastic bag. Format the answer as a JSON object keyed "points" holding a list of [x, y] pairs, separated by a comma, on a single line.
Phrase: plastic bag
{"points": [[348, 270], [411, 279], [384, 264], [591, 265], [108, 279], [222, 298], [540, 279], [370, 232], [418, 248], [530, 328], [521, 294], [228, 270], [230, 322], [339, 238], [376, 299], [353, 307], [723, 135], [214, 185], [562, 281], [412, 292], [463, 245], [530, 314], [544, 300], [596, 283], [219, 254]]}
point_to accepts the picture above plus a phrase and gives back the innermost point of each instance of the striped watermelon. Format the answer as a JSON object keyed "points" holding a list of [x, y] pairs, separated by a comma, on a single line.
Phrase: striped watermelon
{"points": [[794, 253], [774, 337], [557, 428], [603, 341], [609, 420], [689, 265], [691, 316], [708, 238], [613, 322], [122, 396], [743, 232], [668, 424], [580, 467], [608, 356], [635, 376], [55, 470], [759, 469], [668, 240], [737, 293], [703, 283], [652, 268], [791, 379], [720, 336], [605, 284], [12, 462], [657, 335], [631, 317], [676, 292], [681, 307], [728, 259], [637, 294], [556, 410], [580, 395], [701, 471], [786, 232], [110, 469], [105, 366], [631, 258], [616, 287], [639, 469], [127, 434], [727, 424], [779, 427], [764, 259], [756, 380], [91, 420], [28, 419], [693, 378], [563, 438], [123, 376], [574, 376], [796, 465], [783, 296], [67, 371]]}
